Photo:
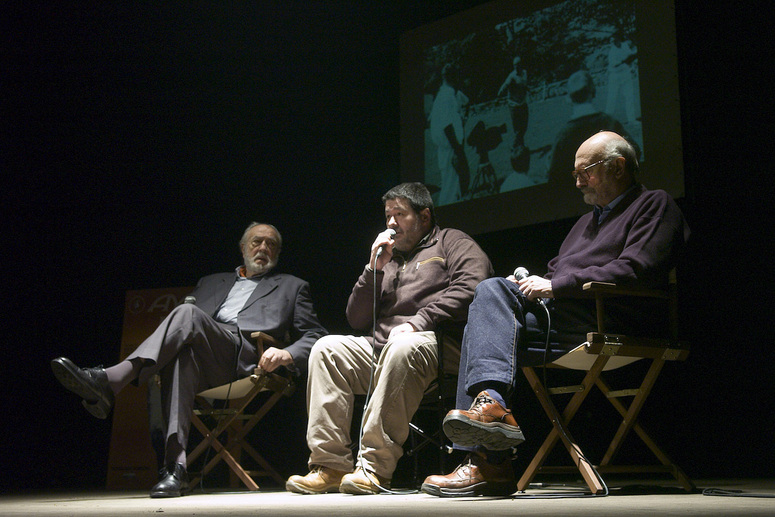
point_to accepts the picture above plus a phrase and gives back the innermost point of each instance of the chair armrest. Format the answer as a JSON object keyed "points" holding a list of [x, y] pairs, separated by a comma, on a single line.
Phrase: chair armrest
{"points": [[263, 339], [611, 289]]}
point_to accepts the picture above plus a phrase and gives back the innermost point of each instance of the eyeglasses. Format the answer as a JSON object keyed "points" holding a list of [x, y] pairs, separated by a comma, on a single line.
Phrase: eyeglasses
{"points": [[583, 171]]}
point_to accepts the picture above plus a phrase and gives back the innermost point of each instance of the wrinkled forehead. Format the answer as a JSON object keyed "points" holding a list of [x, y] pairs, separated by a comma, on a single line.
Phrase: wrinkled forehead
{"points": [[263, 232], [589, 152]]}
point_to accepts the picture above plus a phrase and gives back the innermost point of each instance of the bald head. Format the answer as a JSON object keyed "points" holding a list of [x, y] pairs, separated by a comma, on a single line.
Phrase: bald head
{"points": [[611, 164], [607, 144]]}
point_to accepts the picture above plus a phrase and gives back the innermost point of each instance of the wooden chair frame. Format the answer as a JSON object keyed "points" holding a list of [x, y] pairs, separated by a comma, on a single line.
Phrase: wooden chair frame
{"points": [[237, 421], [603, 351]]}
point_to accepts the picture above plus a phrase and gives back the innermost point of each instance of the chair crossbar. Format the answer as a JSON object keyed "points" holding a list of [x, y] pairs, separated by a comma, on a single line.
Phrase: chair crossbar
{"points": [[236, 421], [620, 350]]}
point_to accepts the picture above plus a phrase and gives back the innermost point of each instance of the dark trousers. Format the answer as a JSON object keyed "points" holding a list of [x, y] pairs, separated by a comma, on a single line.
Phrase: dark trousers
{"points": [[191, 352]]}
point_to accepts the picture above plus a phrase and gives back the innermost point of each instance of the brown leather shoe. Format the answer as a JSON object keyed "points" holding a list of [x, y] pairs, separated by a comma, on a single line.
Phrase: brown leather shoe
{"points": [[361, 482], [486, 424], [319, 481], [473, 477]]}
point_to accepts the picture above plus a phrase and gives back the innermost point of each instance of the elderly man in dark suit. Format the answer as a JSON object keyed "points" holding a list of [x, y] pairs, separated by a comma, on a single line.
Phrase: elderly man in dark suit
{"points": [[207, 343]]}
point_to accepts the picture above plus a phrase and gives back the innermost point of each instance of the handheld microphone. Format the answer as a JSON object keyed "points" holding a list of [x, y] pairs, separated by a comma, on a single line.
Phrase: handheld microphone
{"points": [[520, 274], [391, 233]]}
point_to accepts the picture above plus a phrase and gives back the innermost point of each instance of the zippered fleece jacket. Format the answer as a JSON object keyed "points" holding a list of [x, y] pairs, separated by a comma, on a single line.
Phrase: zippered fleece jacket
{"points": [[434, 282]]}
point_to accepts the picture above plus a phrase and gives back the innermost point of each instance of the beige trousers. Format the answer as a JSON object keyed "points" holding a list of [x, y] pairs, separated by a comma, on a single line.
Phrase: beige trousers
{"points": [[340, 368]]}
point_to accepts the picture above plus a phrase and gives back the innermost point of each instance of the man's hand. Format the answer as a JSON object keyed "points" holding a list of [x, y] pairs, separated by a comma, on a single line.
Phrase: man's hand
{"points": [[273, 358], [384, 240], [534, 286], [404, 327]]}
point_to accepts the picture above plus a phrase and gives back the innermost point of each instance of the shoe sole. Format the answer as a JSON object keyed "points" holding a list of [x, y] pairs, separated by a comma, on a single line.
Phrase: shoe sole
{"points": [[290, 486], [494, 436], [97, 409], [348, 487], [164, 494], [479, 489], [65, 372]]}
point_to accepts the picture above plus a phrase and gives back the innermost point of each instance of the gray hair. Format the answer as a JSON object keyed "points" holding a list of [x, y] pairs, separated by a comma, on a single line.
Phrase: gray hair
{"points": [[244, 238], [620, 147]]}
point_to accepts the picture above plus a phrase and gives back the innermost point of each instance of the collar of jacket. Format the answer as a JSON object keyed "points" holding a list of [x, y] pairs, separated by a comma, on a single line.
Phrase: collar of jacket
{"points": [[429, 240]]}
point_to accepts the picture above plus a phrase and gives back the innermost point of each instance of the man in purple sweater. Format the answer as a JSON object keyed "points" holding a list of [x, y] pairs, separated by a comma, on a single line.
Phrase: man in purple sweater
{"points": [[632, 237]]}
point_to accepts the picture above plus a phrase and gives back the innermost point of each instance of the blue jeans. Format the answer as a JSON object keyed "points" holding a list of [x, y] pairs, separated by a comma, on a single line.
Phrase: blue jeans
{"points": [[506, 331]]}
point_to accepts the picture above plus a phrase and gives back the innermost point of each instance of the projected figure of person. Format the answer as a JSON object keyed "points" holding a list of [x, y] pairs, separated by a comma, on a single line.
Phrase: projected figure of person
{"points": [[207, 343], [621, 55], [484, 139], [515, 86], [585, 120], [424, 276], [632, 236], [447, 133]]}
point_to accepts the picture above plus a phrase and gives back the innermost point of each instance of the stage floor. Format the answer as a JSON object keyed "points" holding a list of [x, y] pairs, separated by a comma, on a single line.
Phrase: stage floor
{"points": [[741, 497]]}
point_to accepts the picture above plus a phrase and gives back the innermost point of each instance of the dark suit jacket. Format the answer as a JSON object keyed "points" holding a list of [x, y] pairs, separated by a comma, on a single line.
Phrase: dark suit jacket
{"points": [[281, 306]]}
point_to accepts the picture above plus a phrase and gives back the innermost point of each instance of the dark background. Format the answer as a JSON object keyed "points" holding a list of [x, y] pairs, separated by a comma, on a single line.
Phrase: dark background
{"points": [[139, 139]]}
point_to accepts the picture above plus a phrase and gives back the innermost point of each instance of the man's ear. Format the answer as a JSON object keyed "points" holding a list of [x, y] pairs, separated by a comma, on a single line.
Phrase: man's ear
{"points": [[425, 215], [619, 167]]}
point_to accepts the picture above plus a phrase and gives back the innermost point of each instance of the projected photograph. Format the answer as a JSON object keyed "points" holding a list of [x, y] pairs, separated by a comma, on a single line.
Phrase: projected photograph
{"points": [[507, 106]]}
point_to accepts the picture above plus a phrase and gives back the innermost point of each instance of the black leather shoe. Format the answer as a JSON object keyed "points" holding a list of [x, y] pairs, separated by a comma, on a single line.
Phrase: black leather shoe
{"points": [[173, 484], [91, 384]]}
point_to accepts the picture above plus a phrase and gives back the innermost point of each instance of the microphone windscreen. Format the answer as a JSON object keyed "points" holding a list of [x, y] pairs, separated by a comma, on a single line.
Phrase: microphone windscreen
{"points": [[521, 273]]}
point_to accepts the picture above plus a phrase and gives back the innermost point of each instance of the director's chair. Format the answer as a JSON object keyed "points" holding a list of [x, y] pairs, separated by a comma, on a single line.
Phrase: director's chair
{"points": [[238, 418], [603, 352], [438, 399]]}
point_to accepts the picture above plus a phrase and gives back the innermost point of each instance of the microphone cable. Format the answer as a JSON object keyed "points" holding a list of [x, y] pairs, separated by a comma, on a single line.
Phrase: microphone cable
{"points": [[224, 404], [556, 416], [359, 459]]}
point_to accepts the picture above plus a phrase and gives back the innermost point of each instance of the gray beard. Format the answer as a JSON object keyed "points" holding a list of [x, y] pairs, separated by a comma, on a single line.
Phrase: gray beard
{"points": [[259, 269]]}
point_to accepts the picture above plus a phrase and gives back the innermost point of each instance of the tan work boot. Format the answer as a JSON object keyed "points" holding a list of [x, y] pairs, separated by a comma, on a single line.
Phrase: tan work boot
{"points": [[361, 482], [319, 481]]}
